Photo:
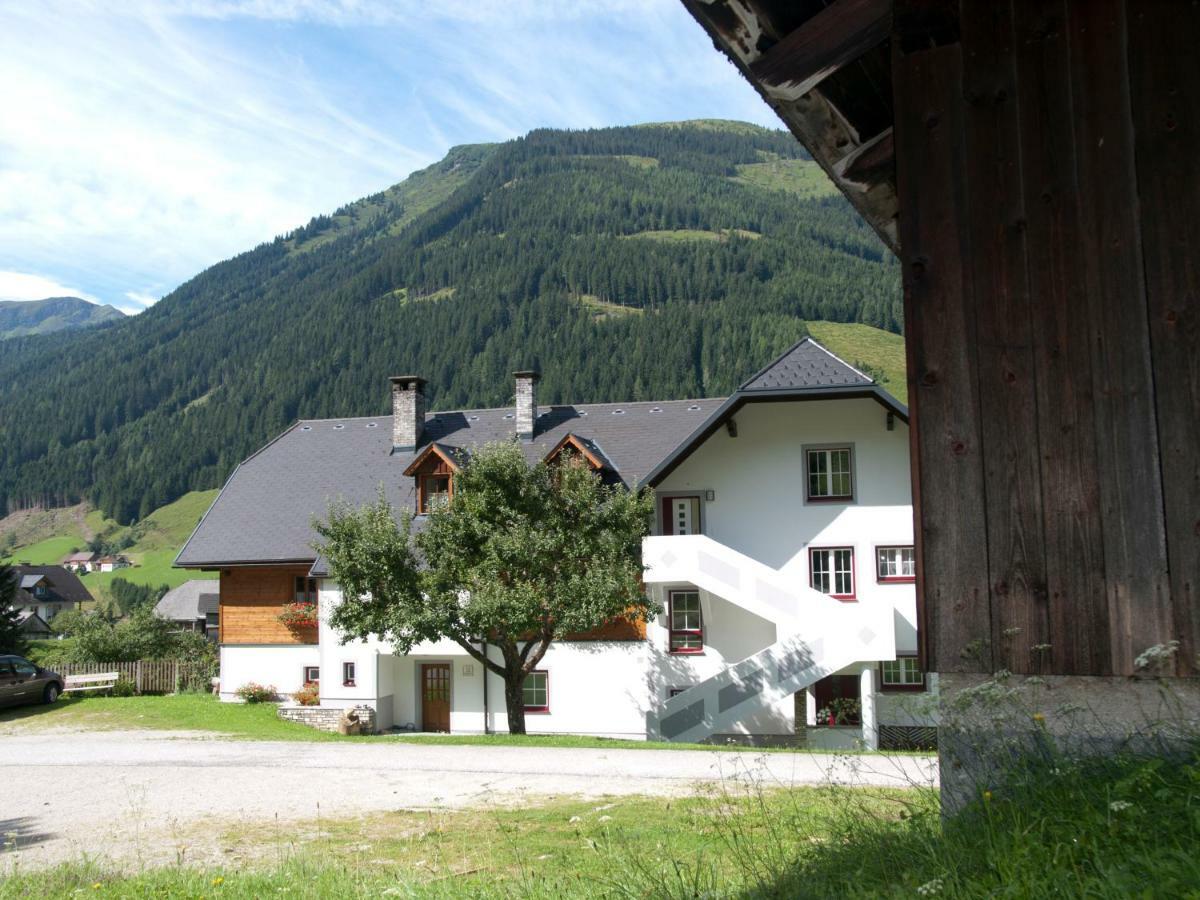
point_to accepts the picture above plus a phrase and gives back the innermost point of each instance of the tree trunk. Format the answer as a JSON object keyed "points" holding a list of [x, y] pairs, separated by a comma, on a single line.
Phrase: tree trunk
{"points": [[514, 700]]}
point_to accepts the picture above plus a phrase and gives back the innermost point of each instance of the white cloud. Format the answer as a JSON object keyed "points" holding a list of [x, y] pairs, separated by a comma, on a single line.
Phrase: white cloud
{"points": [[144, 141], [26, 286]]}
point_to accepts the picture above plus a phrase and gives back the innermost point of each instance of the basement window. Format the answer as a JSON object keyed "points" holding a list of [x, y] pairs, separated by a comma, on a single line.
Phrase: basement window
{"points": [[830, 473], [536, 691], [832, 571], [902, 674], [685, 623], [347, 674], [895, 564]]}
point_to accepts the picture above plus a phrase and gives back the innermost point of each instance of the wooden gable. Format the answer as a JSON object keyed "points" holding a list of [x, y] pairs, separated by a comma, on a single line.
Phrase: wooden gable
{"points": [[572, 443]]}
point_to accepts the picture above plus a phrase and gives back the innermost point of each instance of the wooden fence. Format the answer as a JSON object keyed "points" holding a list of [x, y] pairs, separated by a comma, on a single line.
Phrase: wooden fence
{"points": [[148, 676]]}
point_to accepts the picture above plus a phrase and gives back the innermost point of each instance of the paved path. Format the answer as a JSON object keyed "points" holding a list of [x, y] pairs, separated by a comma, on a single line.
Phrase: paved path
{"points": [[107, 792]]}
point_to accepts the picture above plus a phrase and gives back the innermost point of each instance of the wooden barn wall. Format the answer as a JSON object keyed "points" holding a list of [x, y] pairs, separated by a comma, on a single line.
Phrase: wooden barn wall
{"points": [[1049, 193]]}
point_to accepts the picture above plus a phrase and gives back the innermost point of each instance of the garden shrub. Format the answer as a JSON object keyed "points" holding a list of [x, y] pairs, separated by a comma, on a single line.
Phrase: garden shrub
{"points": [[123, 688], [309, 695], [257, 693]]}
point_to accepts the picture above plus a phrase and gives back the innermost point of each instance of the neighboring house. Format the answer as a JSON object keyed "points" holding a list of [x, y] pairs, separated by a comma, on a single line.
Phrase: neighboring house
{"points": [[83, 561], [194, 606], [111, 563], [48, 590], [33, 626], [782, 555]]}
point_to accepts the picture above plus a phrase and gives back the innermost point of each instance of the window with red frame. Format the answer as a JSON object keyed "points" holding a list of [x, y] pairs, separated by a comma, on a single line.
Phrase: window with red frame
{"points": [[312, 673], [536, 691], [895, 564], [685, 623], [832, 571]]}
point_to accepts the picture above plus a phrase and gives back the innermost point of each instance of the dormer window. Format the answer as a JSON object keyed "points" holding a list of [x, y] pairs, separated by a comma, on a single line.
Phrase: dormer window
{"points": [[40, 590], [433, 471], [581, 450]]}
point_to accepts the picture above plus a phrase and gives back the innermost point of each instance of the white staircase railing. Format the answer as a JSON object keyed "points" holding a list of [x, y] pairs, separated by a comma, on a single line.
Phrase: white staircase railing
{"points": [[818, 635]]}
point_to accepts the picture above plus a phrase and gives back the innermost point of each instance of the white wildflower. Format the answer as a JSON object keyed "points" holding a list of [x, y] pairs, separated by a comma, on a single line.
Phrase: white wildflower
{"points": [[929, 888], [1119, 805]]}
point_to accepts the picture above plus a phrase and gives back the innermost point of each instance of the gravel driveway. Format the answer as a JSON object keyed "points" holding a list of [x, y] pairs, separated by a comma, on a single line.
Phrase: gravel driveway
{"points": [[144, 794]]}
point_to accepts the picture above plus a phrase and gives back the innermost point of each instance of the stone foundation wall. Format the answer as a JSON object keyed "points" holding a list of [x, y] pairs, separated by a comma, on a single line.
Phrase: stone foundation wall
{"points": [[326, 718], [989, 724]]}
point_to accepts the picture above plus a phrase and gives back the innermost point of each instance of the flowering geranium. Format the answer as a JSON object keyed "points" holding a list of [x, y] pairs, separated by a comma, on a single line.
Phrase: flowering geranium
{"points": [[309, 695], [302, 614]]}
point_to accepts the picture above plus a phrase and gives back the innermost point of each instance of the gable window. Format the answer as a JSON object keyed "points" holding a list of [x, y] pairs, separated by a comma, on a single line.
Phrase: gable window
{"points": [[830, 473], [685, 624], [832, 571], [902, 674], [313, 674], [40, 590], [432, 491], [347, 674], [896, 563], [306, 589], [536, 691]]}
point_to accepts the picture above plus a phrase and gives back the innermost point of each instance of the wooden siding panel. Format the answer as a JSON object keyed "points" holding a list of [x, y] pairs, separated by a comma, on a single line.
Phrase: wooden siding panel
{"points": [[1165, 82], [251, 600], [943, 370], [996, 269], [1126, 435], [1074, 544]]}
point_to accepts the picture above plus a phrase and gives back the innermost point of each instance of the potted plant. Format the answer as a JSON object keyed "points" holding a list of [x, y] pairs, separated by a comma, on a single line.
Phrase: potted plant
{"points": [[301, 614]]}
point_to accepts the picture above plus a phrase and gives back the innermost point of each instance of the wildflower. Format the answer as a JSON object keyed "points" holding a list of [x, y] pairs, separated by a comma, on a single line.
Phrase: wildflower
{"points": [[1119, 805], [96, 886], [987, 795], [1039, 717], [218, 881], [929, 888]]}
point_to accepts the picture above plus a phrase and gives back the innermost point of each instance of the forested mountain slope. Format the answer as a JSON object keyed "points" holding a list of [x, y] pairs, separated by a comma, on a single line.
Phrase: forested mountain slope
{"points": [[626, 263], [21, 317]]}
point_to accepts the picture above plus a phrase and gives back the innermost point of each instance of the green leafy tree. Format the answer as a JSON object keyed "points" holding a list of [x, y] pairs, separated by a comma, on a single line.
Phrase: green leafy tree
{"points": [[524, 555], [11, 639]]}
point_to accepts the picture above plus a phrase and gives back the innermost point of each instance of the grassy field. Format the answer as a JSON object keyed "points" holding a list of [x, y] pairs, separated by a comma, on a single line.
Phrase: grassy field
{"points": [[880, 349], [258, 722], [156, 540], [561, 848], [802, 177]]}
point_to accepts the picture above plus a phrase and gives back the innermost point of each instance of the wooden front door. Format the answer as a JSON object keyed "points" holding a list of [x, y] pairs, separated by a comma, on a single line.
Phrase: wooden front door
{"points": [[435, 697]]}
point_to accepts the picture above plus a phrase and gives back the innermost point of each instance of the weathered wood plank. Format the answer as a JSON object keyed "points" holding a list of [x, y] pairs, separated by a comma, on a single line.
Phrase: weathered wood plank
{"points": [[1074, 544], [996, 269], [834, 37], [1165, 80], [1126, 435], [869, 163], [943, 389]]}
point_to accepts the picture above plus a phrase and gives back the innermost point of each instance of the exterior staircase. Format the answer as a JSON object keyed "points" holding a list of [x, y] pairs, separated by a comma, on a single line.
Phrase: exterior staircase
{"points": [[817, 635]]}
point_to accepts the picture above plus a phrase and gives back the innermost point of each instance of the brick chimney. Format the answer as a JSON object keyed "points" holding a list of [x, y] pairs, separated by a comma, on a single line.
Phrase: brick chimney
{"points": [[408, 412], [526, 403]]}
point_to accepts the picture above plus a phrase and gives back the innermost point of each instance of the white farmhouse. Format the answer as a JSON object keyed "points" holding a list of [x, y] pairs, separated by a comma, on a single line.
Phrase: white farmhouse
{"points": [[781, 553]]}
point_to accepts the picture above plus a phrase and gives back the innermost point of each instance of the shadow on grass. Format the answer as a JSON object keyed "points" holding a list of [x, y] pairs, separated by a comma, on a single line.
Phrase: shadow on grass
{"points": [[36, 710]]}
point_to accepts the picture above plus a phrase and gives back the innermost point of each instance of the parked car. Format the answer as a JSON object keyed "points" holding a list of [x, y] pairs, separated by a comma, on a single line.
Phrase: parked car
{"points": [[23, 682]]}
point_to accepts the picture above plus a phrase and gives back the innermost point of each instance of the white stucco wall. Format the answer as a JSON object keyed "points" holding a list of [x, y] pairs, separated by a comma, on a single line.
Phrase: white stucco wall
{"points": [[280, 665]]}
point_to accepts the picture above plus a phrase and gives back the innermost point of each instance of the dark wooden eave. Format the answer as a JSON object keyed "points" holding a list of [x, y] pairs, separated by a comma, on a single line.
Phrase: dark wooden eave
{"points": [[824, 68], [434, 452]]}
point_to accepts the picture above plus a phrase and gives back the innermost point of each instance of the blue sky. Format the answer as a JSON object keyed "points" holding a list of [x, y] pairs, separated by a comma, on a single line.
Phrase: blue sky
{"points": [[138, 147]]}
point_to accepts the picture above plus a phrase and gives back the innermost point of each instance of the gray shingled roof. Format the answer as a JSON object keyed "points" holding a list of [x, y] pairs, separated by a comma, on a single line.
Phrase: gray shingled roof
{"points": [[806, 365], [65, 585], [264, 512], [190, 601]]}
